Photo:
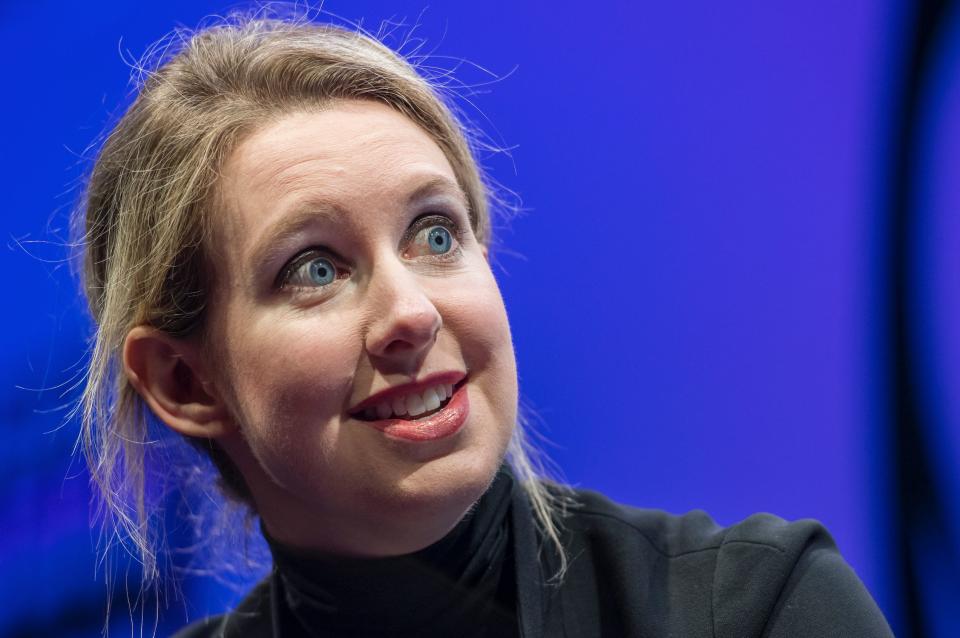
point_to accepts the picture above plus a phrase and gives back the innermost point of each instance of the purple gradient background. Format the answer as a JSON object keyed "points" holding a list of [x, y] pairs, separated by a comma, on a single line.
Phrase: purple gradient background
{"points": [[690, 288]]}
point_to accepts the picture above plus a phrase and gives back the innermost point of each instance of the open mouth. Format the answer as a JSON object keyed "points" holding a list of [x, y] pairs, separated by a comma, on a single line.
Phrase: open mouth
{"points": [[413, 406]]}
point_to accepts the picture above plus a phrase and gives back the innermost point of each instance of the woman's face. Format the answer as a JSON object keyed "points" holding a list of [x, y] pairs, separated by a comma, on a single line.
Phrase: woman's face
{"points": [[351, 294]]}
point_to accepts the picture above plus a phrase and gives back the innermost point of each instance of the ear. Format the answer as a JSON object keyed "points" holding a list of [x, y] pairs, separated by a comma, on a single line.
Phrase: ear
{"points": [[170, 375], [486, 252]]}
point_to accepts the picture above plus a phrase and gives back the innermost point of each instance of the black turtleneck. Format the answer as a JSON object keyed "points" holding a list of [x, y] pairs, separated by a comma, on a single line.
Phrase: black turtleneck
{"points": [[462, 585], [631, 573]]}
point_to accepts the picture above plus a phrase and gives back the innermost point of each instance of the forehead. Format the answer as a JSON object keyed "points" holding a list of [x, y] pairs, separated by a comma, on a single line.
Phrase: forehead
{"points": [[355, 155]]}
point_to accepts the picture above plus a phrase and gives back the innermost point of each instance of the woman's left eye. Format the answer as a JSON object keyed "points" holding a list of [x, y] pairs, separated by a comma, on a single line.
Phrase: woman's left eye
{"points": [[311, 270], [431, 240]]}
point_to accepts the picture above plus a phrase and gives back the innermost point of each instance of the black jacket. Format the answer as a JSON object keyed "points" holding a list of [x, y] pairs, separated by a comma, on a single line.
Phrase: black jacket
{"points": [[645, 573]]}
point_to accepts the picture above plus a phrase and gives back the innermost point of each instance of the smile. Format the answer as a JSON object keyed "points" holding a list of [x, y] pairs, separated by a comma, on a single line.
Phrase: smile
{"points": [[413, 405], [411, 401], [435, 408]]}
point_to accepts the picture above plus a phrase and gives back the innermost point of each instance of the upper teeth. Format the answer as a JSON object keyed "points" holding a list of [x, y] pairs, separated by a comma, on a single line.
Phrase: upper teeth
{"points": [[412, 404]]}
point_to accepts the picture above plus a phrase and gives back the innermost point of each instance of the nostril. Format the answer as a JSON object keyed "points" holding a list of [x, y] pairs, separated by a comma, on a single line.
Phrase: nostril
{"points": [[405, 337], [398, 347], [403, 325]]}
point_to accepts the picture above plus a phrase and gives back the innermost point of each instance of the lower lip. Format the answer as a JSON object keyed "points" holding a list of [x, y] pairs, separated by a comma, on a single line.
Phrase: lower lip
{"points": [[442, 424]]}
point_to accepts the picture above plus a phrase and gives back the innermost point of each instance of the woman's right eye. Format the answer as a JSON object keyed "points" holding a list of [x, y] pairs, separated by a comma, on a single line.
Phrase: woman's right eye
{"points": [[310, 272]]}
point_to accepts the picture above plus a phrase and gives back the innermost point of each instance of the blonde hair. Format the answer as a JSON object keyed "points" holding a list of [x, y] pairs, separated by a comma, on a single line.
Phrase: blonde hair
{"points": [[146, 219]]}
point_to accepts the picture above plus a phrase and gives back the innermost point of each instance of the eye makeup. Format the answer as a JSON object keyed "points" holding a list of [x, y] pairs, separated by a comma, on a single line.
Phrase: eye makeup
{"points": [[315, 253], [425, 222], [440, 209]]}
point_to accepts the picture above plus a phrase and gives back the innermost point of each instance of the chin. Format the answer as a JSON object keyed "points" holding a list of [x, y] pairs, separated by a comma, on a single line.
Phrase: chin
{"points": [[446, 486]]}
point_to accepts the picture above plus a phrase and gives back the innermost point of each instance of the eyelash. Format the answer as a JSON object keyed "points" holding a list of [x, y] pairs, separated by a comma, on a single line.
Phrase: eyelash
{"points": [[430, 220], [419, 225]]}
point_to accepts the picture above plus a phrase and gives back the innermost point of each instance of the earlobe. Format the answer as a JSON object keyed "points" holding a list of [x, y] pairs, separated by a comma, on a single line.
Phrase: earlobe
{"points": [[169, 375]]}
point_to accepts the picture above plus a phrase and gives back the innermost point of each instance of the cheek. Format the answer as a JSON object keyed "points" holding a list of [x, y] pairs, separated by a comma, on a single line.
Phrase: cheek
{"points": [[477, 319], [478, 316], [291, 377]]}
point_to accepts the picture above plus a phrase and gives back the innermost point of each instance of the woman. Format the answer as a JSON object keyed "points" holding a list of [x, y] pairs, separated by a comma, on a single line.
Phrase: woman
{"points": [[286, 255]]}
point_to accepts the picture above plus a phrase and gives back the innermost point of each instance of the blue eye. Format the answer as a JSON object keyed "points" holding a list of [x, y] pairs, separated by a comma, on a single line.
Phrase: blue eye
{"points": [[318, 271], [322, 271], [439, 240], [435, 236]]}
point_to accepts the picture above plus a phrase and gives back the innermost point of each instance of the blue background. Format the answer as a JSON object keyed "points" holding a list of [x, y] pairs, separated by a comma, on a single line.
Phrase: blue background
{"points": [[694, 286]]}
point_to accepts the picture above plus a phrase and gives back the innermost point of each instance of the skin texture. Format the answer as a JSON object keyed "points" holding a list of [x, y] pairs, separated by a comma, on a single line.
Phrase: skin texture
{"points": [[284, 360]]}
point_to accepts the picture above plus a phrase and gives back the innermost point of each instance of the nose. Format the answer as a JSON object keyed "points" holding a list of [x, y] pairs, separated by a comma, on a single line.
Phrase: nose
{"points": [[406, 321]]}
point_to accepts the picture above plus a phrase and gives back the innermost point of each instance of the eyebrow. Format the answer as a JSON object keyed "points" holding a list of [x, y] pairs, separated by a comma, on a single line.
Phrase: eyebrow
{"points": [[314, 211], [439, 184], [276, 237]]}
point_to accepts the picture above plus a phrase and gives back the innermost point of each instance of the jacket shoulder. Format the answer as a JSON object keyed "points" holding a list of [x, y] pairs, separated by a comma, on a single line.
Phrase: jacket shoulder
{"points": [[676, 535], [760, 576], [251, 618], [209, 627]]}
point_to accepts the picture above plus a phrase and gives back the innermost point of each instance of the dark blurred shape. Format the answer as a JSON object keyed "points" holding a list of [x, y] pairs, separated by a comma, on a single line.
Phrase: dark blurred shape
{"points": [[925, 568]]}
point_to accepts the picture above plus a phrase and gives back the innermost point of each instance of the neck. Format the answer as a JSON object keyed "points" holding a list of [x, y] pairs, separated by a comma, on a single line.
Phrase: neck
{"points": [[463, 580], [380, 535], [384, 527]]}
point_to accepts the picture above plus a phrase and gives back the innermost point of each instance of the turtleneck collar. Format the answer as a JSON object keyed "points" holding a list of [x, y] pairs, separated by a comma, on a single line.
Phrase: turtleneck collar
{"points": [[463, 583]]}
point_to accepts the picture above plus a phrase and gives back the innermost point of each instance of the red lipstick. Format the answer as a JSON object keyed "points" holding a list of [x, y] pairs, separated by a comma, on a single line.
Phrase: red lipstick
{"points": [[387, 395], [443, 423]]}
